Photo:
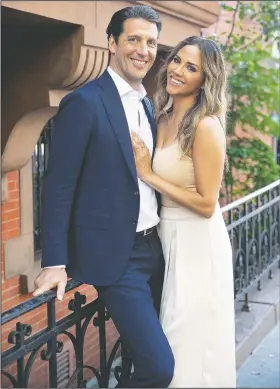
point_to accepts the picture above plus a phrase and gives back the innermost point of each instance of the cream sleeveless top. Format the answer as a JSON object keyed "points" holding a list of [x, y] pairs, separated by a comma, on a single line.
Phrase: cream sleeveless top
{"points": [[170, 164]]}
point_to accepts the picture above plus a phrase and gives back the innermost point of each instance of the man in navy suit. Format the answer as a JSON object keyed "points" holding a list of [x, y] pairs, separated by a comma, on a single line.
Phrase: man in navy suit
{"points": [[99, 220]]}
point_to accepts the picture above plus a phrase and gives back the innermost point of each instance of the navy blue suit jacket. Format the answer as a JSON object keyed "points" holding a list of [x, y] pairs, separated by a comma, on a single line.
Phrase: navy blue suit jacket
{"points": [[90, 194]]}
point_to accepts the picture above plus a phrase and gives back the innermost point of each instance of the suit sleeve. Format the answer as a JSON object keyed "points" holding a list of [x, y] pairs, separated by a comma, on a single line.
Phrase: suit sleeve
{"points": [[69, 141]]}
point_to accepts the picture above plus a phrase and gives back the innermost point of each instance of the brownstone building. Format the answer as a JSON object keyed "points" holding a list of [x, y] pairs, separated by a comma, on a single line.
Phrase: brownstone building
{"points": [[49, 49]]}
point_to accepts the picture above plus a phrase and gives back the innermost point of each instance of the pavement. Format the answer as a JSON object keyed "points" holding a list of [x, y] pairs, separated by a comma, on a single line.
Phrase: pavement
{"points": [[264, 314], [262, 368]]}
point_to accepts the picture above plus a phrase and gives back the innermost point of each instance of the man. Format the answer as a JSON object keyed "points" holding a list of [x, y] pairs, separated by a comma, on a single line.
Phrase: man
{"points": [[99, 219]]}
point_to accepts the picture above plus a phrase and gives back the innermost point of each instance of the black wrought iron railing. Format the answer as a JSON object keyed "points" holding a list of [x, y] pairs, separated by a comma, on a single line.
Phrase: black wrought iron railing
{"points": [[46, 343], [39, 165], [253, 224]]}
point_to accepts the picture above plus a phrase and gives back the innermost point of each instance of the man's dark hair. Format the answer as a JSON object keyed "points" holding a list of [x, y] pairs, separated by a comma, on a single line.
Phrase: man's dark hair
{"points": [[115, 27]]}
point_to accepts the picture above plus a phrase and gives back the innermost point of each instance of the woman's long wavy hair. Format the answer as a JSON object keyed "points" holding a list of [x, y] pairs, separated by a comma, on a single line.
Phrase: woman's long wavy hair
{"points": [[211, 98]]}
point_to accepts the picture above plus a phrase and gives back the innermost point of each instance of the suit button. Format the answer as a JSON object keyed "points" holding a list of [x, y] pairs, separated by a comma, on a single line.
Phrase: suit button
{"points": [[136, 193], [134, 220]]}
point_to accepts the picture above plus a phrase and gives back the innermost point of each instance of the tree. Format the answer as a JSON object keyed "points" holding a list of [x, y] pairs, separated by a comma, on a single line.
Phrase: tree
{"points": [[254, 95]]}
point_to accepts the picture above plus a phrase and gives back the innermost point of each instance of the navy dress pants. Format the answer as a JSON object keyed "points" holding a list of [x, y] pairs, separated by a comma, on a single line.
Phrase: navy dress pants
{"points": [[133, 304]]}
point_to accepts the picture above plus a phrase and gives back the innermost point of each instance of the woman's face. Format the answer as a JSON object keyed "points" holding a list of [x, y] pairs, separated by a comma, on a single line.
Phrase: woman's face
{"points": [[185, 75]]}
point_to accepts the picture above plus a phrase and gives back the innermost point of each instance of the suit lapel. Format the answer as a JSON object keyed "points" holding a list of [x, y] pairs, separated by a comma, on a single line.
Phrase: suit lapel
{"points": [[115, 111]]}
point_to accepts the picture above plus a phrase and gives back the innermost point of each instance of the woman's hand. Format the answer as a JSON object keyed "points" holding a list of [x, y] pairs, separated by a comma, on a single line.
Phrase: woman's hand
{"points": [[141, 156]]}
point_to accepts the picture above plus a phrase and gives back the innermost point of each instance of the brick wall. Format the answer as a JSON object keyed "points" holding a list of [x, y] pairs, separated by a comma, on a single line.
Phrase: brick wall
{"points": [[11, 297], [10, 229]]}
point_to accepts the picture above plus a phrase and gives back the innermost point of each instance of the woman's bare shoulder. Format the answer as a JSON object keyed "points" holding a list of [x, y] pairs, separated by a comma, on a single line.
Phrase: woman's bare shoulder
{"points": [[210, 126]]}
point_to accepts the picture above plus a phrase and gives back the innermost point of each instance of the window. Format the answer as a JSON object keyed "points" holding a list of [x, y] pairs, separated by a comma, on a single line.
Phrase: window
{"points": [[39, 166]]}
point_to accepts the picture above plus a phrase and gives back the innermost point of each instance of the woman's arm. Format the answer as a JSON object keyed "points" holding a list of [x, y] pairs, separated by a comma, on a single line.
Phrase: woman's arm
{"points": [[208, 155]]}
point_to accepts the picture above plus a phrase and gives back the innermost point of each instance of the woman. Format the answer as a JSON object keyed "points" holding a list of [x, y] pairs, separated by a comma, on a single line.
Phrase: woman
{"points": [[197, 311]]}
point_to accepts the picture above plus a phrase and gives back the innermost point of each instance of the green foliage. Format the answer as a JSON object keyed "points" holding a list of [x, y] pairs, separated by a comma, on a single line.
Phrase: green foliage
{"points": [[254, 164], [254, 94]]}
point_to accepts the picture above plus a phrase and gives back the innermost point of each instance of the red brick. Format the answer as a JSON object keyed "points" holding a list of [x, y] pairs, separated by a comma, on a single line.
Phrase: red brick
{"points": [[12, 185], [12, 176], [10, 215], [10, 205], [10, 225], [36, 316], [12, 324], [12, 302], [5, 346], [10, 283], [8, 293], [10, 234], [37, 327], [13, 195], [63, 313]]}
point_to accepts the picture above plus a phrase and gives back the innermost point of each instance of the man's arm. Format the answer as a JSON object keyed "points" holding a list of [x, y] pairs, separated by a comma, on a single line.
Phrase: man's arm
{"points": [[70, 137]]}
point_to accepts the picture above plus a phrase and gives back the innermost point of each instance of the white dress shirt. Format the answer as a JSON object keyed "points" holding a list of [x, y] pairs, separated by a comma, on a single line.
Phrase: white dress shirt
{"points": [[134, 110]]}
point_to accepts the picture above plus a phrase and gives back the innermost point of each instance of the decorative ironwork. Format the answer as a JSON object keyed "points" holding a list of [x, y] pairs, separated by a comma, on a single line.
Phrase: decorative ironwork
{"points": [[39, 165], [253, 224], [82, 315]]}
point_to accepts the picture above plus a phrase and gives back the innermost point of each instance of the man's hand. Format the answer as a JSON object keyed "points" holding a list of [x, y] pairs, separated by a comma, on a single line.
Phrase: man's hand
{"points": [[49, 279]]}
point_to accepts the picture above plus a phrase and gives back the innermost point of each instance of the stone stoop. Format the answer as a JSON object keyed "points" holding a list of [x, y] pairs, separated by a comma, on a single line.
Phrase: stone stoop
{"points": [[253, 326]]}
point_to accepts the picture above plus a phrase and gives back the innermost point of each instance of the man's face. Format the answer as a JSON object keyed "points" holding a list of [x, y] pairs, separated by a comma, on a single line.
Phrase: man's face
{"points": [[134, 54]]}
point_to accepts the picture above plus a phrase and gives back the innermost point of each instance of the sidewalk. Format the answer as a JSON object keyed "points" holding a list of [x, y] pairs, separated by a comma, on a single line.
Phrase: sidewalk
{"points": [[262, 368]]}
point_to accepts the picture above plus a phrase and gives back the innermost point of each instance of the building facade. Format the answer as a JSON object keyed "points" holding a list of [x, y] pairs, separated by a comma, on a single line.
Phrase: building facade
{"points": [[49, 49]]}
